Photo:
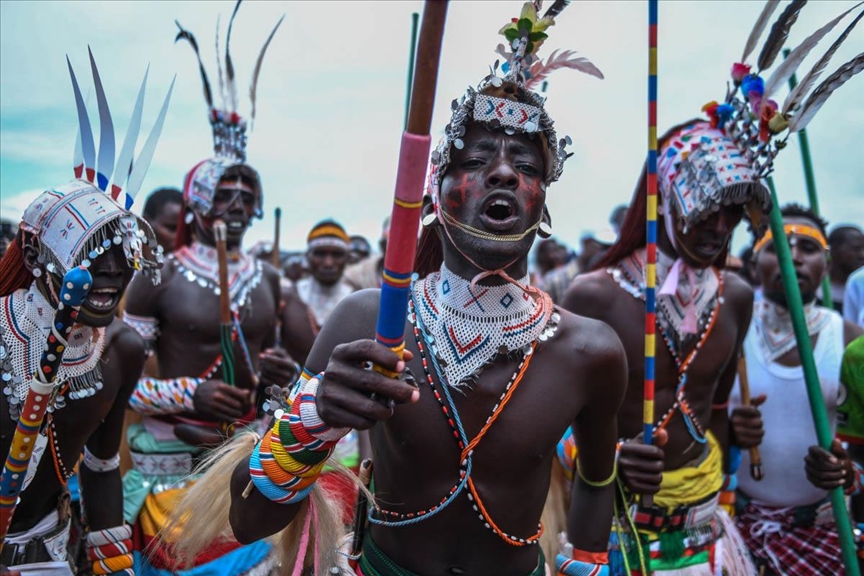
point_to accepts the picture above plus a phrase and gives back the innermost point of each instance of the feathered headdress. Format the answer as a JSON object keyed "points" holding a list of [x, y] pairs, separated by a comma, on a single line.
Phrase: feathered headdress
{"points": [[749, 128], [229, 128], [509, 102], [75, 223]]}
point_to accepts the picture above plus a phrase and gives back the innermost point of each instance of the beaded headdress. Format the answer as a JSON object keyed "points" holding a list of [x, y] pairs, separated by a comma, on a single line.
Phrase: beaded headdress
{"points": [[509, 102], [229, 128], [75, 223], [738, 145]]}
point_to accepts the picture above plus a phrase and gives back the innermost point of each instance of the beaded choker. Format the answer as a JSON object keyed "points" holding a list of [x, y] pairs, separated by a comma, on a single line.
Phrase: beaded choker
{"points": [[25, 322], [773, 326], [199, 264], [468, 328]]}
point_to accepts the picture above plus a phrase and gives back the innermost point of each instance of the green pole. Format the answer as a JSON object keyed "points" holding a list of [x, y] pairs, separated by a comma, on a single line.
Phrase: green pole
{"points": [[814, 388], [415, 20], [810, 179]]}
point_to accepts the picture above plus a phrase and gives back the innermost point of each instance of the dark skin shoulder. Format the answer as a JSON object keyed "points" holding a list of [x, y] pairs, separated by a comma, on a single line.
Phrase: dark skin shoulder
{"points": [[96, 422], [575, 379], [710, 377]]}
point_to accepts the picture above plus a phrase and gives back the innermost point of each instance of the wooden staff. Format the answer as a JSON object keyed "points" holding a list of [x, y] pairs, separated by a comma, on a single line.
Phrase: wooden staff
{"points": [[226, 320], [277, 255], [408, 198], [744, 382], [75, 286], [360, 512]]}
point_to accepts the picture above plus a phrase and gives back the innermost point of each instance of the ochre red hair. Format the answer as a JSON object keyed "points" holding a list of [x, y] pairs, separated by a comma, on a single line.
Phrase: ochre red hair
{"points": [[430, 254], [14, 274]]}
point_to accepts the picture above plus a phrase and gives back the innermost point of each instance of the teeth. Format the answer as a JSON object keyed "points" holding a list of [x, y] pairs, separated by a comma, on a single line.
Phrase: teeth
{"points": [[105, 291], [501, 203]]}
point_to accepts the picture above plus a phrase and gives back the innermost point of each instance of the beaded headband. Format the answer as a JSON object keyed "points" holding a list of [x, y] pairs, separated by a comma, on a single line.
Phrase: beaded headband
{"points": [[77, 222], [757, 126], [328, 234], [229, 128], [798, 230], [509, 103]]}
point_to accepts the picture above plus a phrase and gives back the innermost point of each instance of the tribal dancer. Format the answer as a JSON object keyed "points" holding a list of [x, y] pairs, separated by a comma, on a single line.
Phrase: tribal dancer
{"points": [[709, 177], [188, 407], [462, 457], [786, 517], [83, 223]]}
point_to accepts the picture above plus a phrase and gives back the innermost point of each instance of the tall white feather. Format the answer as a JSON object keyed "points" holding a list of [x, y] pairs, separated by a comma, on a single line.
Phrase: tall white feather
{"points": [[124, 160], [105, 166], [88, 148], [136, 178]]}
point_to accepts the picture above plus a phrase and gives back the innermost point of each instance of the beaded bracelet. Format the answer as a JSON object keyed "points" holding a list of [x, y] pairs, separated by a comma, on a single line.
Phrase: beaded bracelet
{"points": [[855, 487], [286, 463], [110, 551], [153, 396], [582, 563]]}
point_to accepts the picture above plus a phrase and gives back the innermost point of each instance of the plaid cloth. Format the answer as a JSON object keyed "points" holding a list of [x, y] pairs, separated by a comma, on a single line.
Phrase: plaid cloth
{"points": [[785, 547]]}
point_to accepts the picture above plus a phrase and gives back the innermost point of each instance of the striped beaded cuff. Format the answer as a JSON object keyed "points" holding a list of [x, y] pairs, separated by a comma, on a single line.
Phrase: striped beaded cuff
{"points": [[582, 563], [153, 396], [95, 464], [110, 550], [286, 463], [855, 487]]}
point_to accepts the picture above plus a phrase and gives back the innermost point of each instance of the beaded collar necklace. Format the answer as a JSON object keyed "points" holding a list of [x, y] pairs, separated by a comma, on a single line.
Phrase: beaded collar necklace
{"points": [[466, 447], [773, 326], [468, 327], [630, 275], [25, 321], [199, 264]]}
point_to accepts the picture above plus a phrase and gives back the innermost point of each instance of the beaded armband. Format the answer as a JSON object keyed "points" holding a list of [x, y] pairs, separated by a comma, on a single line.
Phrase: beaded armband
{"points": [[153, 396], [110, 550], [582, 563], [146, 326], [286, 463], [95, 464], [855, 487]]}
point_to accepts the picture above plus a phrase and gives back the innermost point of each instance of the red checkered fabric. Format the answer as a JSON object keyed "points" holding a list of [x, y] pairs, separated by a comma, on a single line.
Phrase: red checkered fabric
{"points": [[786, 549]]}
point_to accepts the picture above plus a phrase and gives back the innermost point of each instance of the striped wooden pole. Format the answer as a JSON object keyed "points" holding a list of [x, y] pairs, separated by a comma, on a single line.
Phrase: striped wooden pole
{"points": [[651, 232], [408, 198]]}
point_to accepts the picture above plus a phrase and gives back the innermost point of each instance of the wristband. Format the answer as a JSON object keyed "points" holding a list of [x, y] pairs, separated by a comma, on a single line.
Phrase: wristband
{"points": [[855, 486], [582, 563], [110, 551]]}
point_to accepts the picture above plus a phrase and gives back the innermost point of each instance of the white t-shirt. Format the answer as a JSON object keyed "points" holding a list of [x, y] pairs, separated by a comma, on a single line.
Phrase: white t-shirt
{"points": [[853, 300]]}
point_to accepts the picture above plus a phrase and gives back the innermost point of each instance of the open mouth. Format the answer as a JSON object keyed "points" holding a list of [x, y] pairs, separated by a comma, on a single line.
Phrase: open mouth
{"points": [[235, 226], [102, 300], [499, 212]]}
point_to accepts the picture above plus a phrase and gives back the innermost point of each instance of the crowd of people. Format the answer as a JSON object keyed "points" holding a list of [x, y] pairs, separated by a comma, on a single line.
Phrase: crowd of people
{"points": [[212, 408]]}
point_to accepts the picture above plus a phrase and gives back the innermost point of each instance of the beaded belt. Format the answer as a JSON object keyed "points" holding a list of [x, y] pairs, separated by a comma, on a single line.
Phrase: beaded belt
{"points": [[163, 464], [50, 547], [684, 517]]}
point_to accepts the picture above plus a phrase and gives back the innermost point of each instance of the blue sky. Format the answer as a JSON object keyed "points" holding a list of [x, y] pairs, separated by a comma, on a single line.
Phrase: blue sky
{"points": [[332, 91]]}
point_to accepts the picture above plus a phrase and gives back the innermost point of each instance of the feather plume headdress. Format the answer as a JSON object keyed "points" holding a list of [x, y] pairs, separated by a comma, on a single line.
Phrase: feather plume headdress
{"points": [[745, 133], [229, 128], [73, 224], [509, 102]]}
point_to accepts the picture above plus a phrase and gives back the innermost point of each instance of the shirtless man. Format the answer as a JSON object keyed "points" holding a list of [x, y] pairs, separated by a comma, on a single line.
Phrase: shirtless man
{"points": [[502, 355], [702, 315], [190, 407], [73, 225]]}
